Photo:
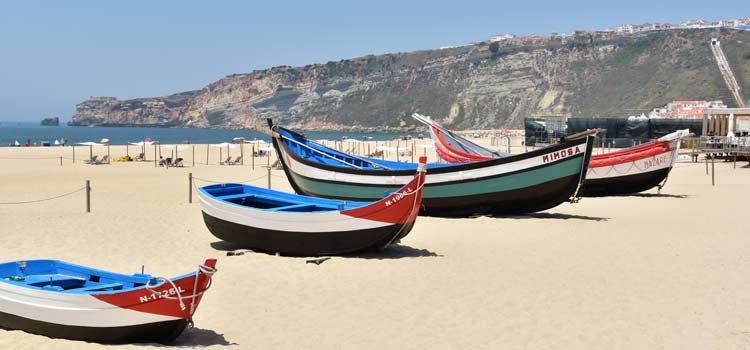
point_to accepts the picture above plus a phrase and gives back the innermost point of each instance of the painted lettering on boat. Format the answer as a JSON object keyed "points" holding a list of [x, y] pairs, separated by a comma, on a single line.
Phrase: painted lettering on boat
{"points": [[551, 157], [397, 197], [655, 161], [160, 295]]}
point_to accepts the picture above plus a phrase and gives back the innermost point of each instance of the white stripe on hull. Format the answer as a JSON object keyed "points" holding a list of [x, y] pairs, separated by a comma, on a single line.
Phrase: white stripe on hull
{"points": [[434, 178], [313, 222], [69, 309], [657, 162]]}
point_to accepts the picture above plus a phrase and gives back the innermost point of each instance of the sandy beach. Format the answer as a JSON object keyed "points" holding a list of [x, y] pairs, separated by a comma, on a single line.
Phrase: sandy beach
{"points": [[647, 271]]}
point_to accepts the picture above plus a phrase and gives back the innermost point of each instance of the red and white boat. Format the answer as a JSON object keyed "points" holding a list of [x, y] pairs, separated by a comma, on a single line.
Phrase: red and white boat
{"points": [[63, 300], [626, 171]]}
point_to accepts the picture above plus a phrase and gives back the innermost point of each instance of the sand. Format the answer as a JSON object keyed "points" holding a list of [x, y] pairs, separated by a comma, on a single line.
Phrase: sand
{"points": [[650, 271]]}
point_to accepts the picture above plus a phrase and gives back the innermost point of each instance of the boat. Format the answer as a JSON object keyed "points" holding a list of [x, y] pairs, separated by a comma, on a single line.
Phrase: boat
{"points": [[278, 222], [627, 171], [63, 300], [635, 169], [525, 183]]}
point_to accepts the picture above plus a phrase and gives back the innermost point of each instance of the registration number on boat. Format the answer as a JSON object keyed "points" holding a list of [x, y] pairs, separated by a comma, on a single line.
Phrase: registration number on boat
{"points": [[162, 294]]}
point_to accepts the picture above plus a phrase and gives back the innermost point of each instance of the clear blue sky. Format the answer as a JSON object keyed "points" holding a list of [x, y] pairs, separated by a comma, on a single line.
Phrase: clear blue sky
{"points": [[54, 54]]}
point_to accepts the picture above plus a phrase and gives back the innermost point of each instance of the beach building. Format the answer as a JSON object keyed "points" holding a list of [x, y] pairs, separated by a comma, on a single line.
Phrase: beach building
{"points": [[686, 109], [726, 122]]}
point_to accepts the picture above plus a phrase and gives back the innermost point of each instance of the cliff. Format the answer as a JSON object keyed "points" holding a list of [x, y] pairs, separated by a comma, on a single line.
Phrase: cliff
{"points": [[469, 87]]}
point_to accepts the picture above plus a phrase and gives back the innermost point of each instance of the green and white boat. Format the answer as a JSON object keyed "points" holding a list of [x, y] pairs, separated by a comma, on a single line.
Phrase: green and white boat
{"points": [[524, 183]]}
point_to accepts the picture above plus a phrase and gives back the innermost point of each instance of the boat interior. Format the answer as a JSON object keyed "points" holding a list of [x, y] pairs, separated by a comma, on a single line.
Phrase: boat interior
{"points": [[322, 154], [275, 201], [58, 276]]}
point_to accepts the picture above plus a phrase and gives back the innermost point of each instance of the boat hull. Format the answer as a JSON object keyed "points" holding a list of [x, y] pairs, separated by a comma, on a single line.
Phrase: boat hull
{"points": [[298, 243], [530, 182], [624, 185], [450, 203], [158, 332]]}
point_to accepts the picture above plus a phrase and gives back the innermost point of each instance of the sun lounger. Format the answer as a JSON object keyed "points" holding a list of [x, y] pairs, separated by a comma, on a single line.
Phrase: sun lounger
{"points": [[178, 163], [236, 161], [226, 161], [104, 160], [93, 160]]}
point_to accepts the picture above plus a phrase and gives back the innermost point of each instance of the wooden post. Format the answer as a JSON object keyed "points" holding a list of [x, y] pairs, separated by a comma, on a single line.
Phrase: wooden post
{"points": [[269, 177], [190, 187], [88, 196], [160, 150], [107, 151], [242, 153], [707, 155], [220, 155], [91, 152], [268, 159], [208, 148], [413, 150], [155, 157], [253, 168], [127, 151], [398, 143], [193, 156], [60, 160], [734, 159], [74, 153], [712, 171]]}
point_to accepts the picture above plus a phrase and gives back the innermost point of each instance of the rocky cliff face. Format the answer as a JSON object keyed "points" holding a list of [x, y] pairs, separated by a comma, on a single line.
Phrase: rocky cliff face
{"points": [[475, 86]]}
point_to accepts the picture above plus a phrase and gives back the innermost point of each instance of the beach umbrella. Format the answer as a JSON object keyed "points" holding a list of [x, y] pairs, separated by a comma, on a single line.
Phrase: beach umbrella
{"points": [[89, 143], [57, 142], [104, 140]]}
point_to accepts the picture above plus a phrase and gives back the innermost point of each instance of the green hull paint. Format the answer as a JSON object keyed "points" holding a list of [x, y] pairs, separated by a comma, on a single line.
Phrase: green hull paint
{"points": [[498, 184]]}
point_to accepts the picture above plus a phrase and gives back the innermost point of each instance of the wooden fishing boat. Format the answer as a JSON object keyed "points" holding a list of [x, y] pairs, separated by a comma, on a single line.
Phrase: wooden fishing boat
{"points": [[627, 171], [272, 221], [64, 300], [524, 183], [635, 169]]}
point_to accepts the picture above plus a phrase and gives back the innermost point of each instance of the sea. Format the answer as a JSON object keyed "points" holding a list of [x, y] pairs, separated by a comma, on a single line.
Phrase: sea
{"points": [[33, 133]]}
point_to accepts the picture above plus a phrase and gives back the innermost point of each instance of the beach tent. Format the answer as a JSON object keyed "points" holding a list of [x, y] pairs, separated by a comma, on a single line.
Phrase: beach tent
{"points": [[89, 143]]}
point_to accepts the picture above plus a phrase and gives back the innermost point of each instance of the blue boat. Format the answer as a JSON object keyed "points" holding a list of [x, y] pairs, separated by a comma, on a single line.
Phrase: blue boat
{"points": [[63, 300], [277, 222]]}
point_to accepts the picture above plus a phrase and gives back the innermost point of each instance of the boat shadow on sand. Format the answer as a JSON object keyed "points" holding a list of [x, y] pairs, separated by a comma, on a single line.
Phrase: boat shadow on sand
{"points": [[198, 338], [397, 251], [556, 216], [655, 195]]}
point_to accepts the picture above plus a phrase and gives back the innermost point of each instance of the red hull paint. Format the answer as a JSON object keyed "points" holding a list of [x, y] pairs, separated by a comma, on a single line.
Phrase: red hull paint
{"points": [[144, 301], [399, 207]]}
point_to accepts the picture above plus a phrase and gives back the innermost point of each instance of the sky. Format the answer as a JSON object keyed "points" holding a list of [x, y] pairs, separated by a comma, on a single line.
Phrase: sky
{"points": [[55, 54]]}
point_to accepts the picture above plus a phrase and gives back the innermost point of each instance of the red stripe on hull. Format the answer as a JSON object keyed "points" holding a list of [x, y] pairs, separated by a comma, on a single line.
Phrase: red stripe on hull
{"points": [[155, 303], [399, 207]]}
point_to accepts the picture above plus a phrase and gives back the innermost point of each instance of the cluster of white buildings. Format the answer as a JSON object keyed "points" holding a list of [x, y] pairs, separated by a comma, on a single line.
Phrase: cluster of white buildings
{"points": [[739, 23], [686, 109]]}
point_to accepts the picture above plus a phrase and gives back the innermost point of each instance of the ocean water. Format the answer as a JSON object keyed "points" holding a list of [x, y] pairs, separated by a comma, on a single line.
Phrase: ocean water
{"points": [[23, 131]]}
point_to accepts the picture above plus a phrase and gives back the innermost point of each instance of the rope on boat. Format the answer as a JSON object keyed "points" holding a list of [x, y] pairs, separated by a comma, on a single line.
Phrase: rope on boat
{"points": [[206, 270], [44, 199]]}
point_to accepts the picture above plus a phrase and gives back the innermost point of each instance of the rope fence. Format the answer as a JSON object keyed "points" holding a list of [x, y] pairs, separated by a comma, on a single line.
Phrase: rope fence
{"points": [[86, 188]]}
